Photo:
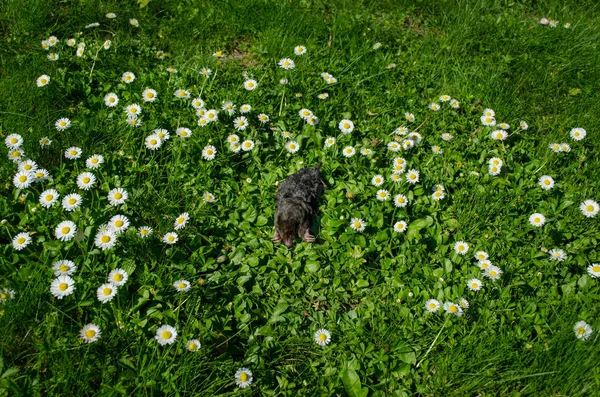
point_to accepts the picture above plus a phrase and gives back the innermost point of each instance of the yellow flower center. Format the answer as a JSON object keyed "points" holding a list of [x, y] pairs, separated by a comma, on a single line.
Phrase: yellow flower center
{"points": [[166, 335], [432, 305], [21, 240], [49, 197], [3, 296], [454, 309], [589, 208], [243, 377], [581, 330], [72, 201], [323, 337], [63, 268], [474, 285], [105, 239], [171, 238], [182, 285], [73, 152], [90, 333], [118, 196], [357, 225], [94, 161], [150, 95], [144, 231], [209, 152], [86, 180], [180, 220], [596, 268], [127, 78], [107, 291], [153, 141], [292, 146], [461, 247], [63, 286], [208, 197], [65, 230], [119, 223], [193, 346], [546, 182], [118, 277], [346, 125], [22, 178], [493, 273], [537, 220]]}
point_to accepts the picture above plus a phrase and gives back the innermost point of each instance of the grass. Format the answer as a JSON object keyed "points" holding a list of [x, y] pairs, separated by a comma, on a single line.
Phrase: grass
{"points": [[256, 305]]}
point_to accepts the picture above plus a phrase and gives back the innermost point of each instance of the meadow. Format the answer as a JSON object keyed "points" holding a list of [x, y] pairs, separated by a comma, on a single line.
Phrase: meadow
{"points": [[456, 246]]}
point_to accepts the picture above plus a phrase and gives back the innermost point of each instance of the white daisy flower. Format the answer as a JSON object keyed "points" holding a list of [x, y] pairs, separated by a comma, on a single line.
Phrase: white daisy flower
{"points": [[71, 202], [71, 42], [73, 153], [349, 151], [489, 121], [107, 44], [461, 248], [523, 124], [128, 77], [198, 103], [438, 195], [322, 337], [144, 231], [245, 108], [233, 138], [117, 196], [23, 179], [181, 221], [504, 126], [366, 151], [292, 146], [454, 104], [166, 335], [208, 197], [48, 197], [170, 238], [105, 239], [397, 178], [445, 98], [358, 224], [182, 285], [53, 57], [453, 308], [329, 142], [346, 126], [203, 121], [228, 107], [134, 22], [489, 112], [263, 118], [206, 72], [21, 241], [484, 264], [499, 135], [434, 106], [90, 333], [432, 305], [119, 223], [377, 180], [62, 124], [149, 95], [212, 115], [111, 15], [162, 134], [537, 219], [494, 170], [62, 286], [305, 113], [13, 141], [496, 161], [247, 145], [286, 63], [250, 84], [111, 100], [382, 195], [183, 132], [409, 117], [86, 180], [40, 175], [463, 303], [240, 123], [400, 200], [43, 80], [582, 330], [209, 152], [589, 208], [243, 378], [118, 277], [106, 292], [64, 267], [412, 176], [481, 255], [65, 231], [546, 182], [182, 94], [400, 226], [299, 50], [493, 272], [193, 345], [153, 142], [594, 270], [474, 284], [312, 120]]}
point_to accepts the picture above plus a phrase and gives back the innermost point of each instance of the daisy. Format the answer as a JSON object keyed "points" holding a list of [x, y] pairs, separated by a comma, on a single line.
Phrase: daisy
{"points": [[21, 241], [42, 81], [71, 42], [349, 151], [111, 15], [208, 197], [494, 170], [245, 108], [322, 337], [286, 134], [438, 195], [183, 132], [455, 104], [71, 202], [48, 197], [117, 196], [106, 44], [219, 54], [546, 182], [463, 303], [582, 330], [15, 155], [366, 151], [40, 175], [383, 195], [553, 23], [85, 180], [247, 145], [128, 77], [52, 41], [181, 221], [45, 141], [105, 239], [292, 146], [323, 95], [589, 208], [377, 180], [6, 294], [250, 84], [286, 63], [118, 277], [504, 126], [555, 147], [119, 223], [564, 147], [299, 50], [144, 231], [243, 378], [358, 224], [445, 98], [496, 161], [523, 124], [346, 126], [62, 124], [111, 100], [212, 115], [198, 103], [489, 112], [193, 345], [481, 255], [182, 285], [399, 161], [397, 178], [182, 94], [474, 284], [432, 305], [23, 179], [453, 308], [409, 116], [166, 335], [567, 25], [312, 120], [240, 123], [106, 292], [209, 152], [13, 141], [62, 286], [400, 226], [484, 264], [64, 267], [412, 176], [134, 22], [329, 142], [401, 131], [544, 21], [400, 200], [415, 137], [233, 139], [499, 135], [537, 220], [171, 70], [434, 106], [153, 142], [489, 121], [149, 95], [90, 333], [594, 270], [377, 46], [170, 238], [461, 248], [53, 57], [73, 153], [263, 118], [493, 272], [406, 145], [206, 72], [229, 107], [162, 134], [65, 230]]}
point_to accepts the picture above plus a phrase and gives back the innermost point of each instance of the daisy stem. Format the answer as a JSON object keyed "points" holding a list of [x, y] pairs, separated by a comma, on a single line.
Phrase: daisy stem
{"points": [[94, 63], [432, 344]]}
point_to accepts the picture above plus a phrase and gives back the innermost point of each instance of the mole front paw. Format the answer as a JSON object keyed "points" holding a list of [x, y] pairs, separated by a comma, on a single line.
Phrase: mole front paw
{"points": [[276, 238], [309, 238]]}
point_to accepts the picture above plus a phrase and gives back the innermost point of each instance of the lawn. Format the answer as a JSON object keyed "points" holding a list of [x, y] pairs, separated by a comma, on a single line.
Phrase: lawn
{"points": [[456, 246]]}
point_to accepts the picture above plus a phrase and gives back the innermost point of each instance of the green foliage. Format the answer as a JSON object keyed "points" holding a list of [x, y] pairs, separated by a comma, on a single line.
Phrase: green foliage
{"points": [[257, 305]]}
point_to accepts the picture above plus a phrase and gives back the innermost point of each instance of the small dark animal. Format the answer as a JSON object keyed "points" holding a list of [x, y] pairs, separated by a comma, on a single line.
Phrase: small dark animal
{"points": [[296, 205]]}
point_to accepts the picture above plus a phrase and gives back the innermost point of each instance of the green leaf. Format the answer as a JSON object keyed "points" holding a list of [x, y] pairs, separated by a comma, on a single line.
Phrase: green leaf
{"points": [[352, 384], [312, 267], [261, 221]]}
